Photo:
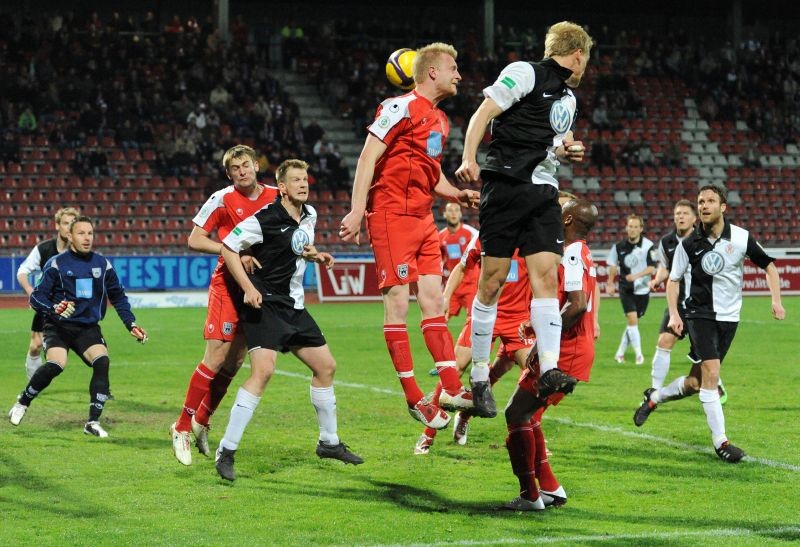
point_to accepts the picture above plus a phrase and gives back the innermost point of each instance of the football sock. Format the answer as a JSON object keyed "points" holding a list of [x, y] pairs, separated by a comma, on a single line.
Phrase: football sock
{"points": [[714, 416], [493, 375], [660, 366], [324, 401], [198, 389], [32, 363], [216, 392], [483, 319], [522, 453], [547, 480], [241, 414], [396, 337], [635, 339], [40, 380], [98, 387], [440, 345], [430, 432], [546, 321], [623, 344], [671, 392]]}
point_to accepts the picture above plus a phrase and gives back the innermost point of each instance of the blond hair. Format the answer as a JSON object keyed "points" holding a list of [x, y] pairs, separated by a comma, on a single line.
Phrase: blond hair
{"points": [[69, 211], [236, 152], [283, 168], [564, 38], [634, 216], [428, 56]]}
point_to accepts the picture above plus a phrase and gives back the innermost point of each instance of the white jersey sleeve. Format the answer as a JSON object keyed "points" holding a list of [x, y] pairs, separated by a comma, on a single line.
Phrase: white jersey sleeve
{"points": [[514, 82], [680, 263], [662, 256], [214, 202], [392, 111], [611, 259], [246, 234], [32, 264], [573, 268]]}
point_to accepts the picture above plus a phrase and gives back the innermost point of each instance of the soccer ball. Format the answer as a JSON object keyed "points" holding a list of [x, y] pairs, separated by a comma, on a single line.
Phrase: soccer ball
{"points": [[399, 69]]}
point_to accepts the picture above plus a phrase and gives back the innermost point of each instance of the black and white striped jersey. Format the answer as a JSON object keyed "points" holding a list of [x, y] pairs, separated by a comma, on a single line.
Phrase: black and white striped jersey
{"points": [[632, 258], [716, 270]]}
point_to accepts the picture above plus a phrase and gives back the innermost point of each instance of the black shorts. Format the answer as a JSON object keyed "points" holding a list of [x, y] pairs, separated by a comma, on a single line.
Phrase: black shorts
{"points": [[711, 339], [75, 336], [280, 327], [37, 325], [634, 302], [665, 324], [519, 215]]}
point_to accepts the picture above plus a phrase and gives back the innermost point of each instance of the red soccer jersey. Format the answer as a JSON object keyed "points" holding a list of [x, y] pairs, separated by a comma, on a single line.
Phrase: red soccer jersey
{"points": [[226, 208], [515, 299], [414, 132], [453, 246], [577, 272]]}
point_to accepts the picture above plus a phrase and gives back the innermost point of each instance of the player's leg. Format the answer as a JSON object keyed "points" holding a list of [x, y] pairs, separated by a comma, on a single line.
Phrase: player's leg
{"points": [[96, 356], [56, 361], [521, 445], [236, 352], [661, 358], [33, 359], [642, 300]]}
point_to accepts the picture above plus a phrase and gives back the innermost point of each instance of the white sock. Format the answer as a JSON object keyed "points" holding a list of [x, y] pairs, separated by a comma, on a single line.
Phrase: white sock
{"points": [[483, 318], [241, 413], [635, 339], [714, 415], [660, 366], [324, 401], [671, 392], [546, 321], [623, 344], [32, 363]]}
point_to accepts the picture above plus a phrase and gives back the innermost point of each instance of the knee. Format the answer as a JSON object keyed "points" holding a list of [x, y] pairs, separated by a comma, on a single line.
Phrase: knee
{"points": [[691, 385], [515, 414], [101, 364], [328, 368]]}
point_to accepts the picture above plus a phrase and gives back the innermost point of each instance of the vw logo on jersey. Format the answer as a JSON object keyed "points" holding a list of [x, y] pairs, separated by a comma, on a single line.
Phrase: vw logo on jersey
{"points": [[712, 263], [631, 261], [560, 118], [299, 240]]}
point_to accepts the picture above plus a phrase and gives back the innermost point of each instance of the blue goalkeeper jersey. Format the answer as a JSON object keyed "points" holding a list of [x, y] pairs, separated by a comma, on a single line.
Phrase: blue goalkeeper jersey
{"points": [[88, 281]]}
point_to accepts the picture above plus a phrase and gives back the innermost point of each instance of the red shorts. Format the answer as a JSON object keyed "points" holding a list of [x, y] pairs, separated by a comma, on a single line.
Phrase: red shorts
{"points": [[405, 247], [505, 330], [222, 318], [462, 300]]}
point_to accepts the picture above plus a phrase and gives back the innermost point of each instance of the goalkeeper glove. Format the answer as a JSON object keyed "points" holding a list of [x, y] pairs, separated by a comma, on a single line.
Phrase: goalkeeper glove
{"points": [[138, 332], [64, 309]]}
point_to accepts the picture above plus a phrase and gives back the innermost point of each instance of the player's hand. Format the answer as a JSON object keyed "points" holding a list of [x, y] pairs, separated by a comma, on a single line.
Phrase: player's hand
{"points": [[675, 324], [778, 312], [525, 331], [597, 331], [253, 298], [653, 284], [138, 332], [64, 309], [250, 264], [573, 151], [469, 172], [350, 228], [469, 198], [630, 278], [610, 289]]}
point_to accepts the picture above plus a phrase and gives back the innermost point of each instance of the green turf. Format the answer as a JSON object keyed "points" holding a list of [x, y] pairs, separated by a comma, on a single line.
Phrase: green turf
{"points": [[660, 484]]}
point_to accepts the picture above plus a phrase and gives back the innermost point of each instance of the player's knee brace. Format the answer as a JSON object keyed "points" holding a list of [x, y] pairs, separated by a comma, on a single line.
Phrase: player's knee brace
{"points": [[100, 383], [45, 374]]}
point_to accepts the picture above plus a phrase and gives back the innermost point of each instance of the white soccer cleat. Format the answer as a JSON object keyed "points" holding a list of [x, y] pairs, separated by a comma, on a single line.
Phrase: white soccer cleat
{"points": [[429, 414], [200, 437], [459, 401], [181, 445], [423, 445], [521, 504], [94, 428], [460, 428], [16, 413], [640, 359], [556, 498], [619, 358]]}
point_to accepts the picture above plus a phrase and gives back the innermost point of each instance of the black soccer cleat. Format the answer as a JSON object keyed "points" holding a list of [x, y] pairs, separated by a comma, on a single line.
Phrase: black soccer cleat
{"points": [[644, 410], [729, 453], [483, 400], [556, 381], [224, 464], [339, 452]]}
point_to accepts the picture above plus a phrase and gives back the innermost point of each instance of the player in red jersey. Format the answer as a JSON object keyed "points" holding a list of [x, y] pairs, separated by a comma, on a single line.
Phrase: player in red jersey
{"points": [[397, 175], [576, 288], [512, 309], [225, 345], [454, 239]]}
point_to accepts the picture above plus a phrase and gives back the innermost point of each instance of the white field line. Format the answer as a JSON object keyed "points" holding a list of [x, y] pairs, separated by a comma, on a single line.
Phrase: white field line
{"points": [[587, 425]]}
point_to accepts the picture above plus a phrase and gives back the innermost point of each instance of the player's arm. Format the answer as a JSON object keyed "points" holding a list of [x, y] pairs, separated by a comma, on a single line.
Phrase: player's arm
{"points": [[33, 263], [445, 190], [247, 233], [312, 254], [611, 268], [576, 305], [774, 284], [571, 150], [470, 172], [456, 276], [118, 299], [200, 241], [596, 304], [365, 170], [680, 263], [40, 298]]}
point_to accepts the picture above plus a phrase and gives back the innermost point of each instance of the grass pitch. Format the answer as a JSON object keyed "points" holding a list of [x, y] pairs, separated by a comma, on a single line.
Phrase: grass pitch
{"points": [[661, 484]]}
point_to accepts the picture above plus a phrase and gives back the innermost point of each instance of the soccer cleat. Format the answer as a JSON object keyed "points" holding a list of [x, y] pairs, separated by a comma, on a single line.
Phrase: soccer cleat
{"points": [[640, 359], [181, 445], [644, 410], [423, 445], [339, 452], [483, 400], [556, 498], [521, 504], [619, 358], [429, 414], [433, 372], [729, 453], [94, 428], [16, 413], [555, 381], [224, 463], [459, 401], [460, 428], [200, 437], [723, 393]]}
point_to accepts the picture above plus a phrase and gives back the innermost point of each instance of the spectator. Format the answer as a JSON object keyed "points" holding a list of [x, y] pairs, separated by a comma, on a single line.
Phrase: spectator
{"points": [[27, 120]]}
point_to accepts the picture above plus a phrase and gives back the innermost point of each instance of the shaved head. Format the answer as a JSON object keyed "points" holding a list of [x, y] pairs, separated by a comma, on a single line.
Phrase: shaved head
{"points": [[579, 216]]}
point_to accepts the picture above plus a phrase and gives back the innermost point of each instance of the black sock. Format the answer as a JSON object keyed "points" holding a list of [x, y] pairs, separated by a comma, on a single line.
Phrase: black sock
{"points": [[40, 380], [98, 387]]}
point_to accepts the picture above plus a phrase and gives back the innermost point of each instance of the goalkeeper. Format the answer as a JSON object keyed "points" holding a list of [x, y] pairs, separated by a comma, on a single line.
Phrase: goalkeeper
{"points": [[72, 296]]}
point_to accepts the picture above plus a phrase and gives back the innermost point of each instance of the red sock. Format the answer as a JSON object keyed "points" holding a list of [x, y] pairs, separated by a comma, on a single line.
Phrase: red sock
{"points": [[522, 453], [198, 389], [430, 432], [493, 377], [216, 392], [547, 480], [400, 351], [440, 345]]}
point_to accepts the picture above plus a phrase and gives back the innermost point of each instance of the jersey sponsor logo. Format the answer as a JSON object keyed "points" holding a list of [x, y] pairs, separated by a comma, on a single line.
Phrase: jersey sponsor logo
{"points": [[402, 271], [227, 328], [513, 272], [435, 142], [83, 288], [712, 263], [453, 251], [560, 118], [299, 240], [96, 273], [508, 82], [631, 261]]}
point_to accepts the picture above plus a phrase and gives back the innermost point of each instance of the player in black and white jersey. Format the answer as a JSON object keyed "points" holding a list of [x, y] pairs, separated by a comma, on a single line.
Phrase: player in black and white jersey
{"points": [[33, 265], [532, 108], [634, 258], [280, 237], [714, 256]]}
